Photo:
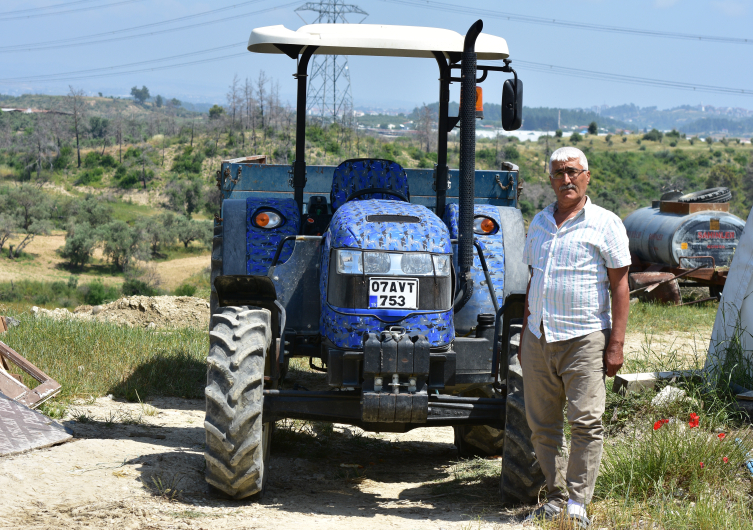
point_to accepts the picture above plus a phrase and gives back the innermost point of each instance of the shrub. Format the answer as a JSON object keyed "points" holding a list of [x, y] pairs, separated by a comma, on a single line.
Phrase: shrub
{"points": [[90, 176], [511, 152], [575, 137], [654, 135], [558, 133], [108, 161], [97, 293], [64, 157], [624, 139], [189, 161], [134, 287], [185, 290], [91, 159]]}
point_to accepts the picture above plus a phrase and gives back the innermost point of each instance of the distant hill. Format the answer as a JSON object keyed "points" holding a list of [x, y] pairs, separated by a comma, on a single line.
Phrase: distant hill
{"points": [[99, 105]]}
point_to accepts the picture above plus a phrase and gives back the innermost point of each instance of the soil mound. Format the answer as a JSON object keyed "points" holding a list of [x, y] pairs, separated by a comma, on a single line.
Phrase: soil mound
{"points": [[141, 311]]}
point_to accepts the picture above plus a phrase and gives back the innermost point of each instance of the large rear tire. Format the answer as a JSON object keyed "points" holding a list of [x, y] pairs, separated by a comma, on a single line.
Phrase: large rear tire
{"points": [[521, 478], [237, 440]]}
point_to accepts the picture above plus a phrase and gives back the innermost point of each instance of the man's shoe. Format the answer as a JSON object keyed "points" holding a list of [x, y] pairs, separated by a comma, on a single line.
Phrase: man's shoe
{"points": [[545, 512], [576, 513]]}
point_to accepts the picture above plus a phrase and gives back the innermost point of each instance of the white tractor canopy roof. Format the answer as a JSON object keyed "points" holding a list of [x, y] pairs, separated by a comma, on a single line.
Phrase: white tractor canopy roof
{"points": [[371, 39]]}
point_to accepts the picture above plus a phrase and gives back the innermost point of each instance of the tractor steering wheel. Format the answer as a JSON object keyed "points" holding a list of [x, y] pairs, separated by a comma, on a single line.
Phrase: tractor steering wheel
{"points": [[370, 191]]}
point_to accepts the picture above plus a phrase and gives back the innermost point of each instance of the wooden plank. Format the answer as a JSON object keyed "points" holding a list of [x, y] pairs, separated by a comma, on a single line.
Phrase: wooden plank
{"points": [[34, 397]]}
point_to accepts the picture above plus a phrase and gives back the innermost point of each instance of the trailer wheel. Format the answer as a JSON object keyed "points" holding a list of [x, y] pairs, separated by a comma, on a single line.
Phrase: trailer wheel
{"points": [[216, 270], [720, 194], [521, 478], [237, 440]]}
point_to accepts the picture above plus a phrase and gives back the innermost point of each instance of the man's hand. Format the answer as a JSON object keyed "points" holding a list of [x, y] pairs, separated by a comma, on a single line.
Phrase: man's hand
{"points": [[613, 358]]}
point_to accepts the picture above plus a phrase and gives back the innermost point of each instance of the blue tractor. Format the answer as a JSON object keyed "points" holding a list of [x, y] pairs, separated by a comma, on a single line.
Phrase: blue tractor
{"points": [[407, 291]]}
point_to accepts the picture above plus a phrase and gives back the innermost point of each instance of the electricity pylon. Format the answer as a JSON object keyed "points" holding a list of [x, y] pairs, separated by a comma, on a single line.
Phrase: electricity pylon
{"points": [[329, 77]]}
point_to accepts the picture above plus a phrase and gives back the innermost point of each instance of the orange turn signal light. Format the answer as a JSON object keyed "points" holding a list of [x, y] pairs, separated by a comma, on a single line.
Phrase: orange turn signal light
{"points": [[262, 219], [487, 226], [484, 226], [268, 219]]}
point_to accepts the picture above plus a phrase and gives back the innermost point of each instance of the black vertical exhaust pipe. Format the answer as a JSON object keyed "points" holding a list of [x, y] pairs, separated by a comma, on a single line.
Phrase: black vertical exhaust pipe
{"points": [[467, 163]]}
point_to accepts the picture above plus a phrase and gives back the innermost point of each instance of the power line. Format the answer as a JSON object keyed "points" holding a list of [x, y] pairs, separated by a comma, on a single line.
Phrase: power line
{"points": [[629, 79], [165, 67], [89, 8], [54, 6], [57, 43], [441, 6], [54, 77]]}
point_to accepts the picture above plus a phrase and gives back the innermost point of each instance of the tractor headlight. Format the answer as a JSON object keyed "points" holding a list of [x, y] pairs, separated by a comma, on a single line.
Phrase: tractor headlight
{"points": [[349, 262], [441, 265], [267, 219], [377, 262], [417, 264]]}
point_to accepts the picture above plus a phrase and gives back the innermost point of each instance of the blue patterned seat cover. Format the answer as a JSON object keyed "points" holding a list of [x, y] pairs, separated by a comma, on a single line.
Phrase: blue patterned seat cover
{"points": [[363, 173]]}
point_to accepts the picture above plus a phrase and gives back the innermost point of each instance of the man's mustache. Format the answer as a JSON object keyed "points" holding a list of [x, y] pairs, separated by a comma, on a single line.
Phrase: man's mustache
{"points": [[568, 187]]}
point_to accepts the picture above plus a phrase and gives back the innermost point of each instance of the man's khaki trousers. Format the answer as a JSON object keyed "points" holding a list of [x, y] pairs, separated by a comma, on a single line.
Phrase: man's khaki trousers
{"points": [[553, 372]]}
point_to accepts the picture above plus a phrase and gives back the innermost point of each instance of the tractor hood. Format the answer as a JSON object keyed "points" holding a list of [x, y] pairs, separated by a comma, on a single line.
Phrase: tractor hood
{"points": [[388, 225]]}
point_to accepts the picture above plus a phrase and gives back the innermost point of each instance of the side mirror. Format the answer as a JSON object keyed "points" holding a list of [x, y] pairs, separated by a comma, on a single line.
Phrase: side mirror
{"points": [[512, 104]]}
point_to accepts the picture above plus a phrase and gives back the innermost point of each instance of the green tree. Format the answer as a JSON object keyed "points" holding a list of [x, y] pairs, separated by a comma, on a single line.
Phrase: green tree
{"points": [[187, 230], [175, 102], [723, 175], [7, 229], [593, 128], [92, 211], [575, 137], [558, 133], [159, 231], [184, 195], [215, 112], [80, 242], [140, 94], [654, 135], [123, 244], [511, 152]]}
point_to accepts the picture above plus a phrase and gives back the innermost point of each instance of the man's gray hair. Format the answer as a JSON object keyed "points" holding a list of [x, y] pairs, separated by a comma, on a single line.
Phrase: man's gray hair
{"points": [[563, 154]]}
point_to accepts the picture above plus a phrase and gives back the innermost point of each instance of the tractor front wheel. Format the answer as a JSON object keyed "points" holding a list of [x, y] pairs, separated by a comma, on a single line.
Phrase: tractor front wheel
{"points": [[237, 439]]}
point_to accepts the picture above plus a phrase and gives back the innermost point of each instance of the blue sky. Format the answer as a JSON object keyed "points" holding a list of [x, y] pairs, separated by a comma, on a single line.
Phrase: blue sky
{"points": [[397, 82]]}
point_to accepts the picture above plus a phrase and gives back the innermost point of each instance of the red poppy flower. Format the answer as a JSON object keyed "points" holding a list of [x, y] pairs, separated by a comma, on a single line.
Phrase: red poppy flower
{"points": [[665, 421], [657, 425], [725, 459], [694, 420], [702, 465], [721, 435]]}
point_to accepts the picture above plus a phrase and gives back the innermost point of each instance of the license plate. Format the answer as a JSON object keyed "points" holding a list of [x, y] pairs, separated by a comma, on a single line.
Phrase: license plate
{"points": [[393, 293]]}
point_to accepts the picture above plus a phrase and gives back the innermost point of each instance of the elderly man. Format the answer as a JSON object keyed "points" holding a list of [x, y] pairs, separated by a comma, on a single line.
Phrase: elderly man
{"points": [[577, 253]]}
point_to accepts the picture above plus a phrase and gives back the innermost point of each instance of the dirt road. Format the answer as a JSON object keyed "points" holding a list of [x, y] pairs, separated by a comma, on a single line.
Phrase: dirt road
{"points": [[128, 460]]}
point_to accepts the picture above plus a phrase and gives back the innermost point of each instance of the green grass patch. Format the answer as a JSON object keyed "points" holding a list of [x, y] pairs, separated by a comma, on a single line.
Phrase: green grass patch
{"points": [[95, 358], [662, 318], [58, 294], [130, 212]]}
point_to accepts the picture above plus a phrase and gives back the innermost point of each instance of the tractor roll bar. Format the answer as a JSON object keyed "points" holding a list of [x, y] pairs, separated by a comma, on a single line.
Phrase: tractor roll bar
{"points": [[299, 170]]}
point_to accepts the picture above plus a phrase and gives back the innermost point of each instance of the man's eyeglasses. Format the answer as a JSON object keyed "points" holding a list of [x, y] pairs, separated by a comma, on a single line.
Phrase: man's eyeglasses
{"points": [[571, 172]]}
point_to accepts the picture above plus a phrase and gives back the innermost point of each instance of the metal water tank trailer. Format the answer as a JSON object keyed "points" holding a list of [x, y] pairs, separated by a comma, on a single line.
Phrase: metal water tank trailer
{"points": [[667, 231]]}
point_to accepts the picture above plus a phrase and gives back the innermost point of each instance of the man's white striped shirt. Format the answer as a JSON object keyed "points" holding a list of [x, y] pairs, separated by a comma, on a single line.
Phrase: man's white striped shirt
{"points": [[569, 290]]}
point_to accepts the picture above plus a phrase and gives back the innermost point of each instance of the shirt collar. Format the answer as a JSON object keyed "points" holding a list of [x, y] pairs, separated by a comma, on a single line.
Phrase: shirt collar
{"points": [[583, 211]]}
